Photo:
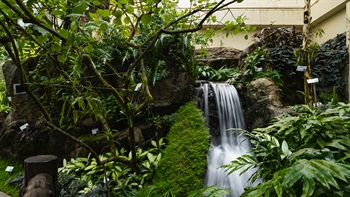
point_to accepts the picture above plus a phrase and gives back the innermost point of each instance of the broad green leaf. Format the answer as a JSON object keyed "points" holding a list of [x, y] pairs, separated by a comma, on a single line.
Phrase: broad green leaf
{"points": [[117, 21], [318, 175], [93, 15], [337, 170], [154, 144], [324, 168], [61, 58], [64, 33], [90, 167], [150, 157], [117, 13], [285, 150], [41, 39], [278, 188], [103, 12], [123, 1], [103, 26], [127, 20], [58, 13], [337, 144], [146, 19], [96, 3], [129, 10], [308, 186], [55, 47], [80, 8], [295, 172], [70, 40]]}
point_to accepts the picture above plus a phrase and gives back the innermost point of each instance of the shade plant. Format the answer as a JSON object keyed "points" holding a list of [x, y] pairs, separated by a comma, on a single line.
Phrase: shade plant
{"points": [[181, 171], [304, 154], [73, 55], [83, 175]]}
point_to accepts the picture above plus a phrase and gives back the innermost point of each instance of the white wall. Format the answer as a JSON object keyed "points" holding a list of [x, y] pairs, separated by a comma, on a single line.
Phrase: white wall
{"points": [[326, 14]]}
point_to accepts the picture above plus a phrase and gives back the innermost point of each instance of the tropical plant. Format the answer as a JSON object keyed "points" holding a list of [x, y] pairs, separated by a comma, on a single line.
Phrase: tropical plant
{"points": [[223, 74], [71, 55], [83, 175], [251, 63], [205, 72], [182, 168], [274, 75], [302, 155]]}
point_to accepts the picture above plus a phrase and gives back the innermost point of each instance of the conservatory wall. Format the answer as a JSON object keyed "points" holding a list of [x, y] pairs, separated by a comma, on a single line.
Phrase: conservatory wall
{"points": [[329, 15]]}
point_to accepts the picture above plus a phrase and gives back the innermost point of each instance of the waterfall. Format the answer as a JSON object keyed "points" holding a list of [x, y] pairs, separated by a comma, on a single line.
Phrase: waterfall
{"points": [[225, 145]]}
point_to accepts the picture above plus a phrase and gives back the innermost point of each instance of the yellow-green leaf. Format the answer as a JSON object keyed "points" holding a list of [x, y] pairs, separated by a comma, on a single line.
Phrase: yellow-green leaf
{"points": [[146, 19]]}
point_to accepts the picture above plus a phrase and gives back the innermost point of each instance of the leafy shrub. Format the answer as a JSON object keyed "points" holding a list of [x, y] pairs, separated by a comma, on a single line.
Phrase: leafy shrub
{"points": [[4, 102], [205, 72], [83, 176], [303, 155], [183, 166], [330, 64], [279, 37]]}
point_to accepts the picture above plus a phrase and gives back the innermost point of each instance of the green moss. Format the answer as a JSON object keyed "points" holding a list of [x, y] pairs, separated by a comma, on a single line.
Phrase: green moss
{"points": [[183, 166], [6, 176]]}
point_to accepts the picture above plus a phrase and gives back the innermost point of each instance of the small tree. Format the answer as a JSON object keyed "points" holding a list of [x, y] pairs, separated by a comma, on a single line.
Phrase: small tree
{"points": [[78, 45]]}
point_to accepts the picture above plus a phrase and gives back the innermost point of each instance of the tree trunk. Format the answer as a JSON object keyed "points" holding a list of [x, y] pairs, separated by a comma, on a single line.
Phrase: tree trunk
{"points": [[41, 165], [306, 42]]}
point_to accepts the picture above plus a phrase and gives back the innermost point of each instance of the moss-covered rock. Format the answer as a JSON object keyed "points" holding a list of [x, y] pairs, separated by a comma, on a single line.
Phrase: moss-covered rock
{"points": [[183, 166]]}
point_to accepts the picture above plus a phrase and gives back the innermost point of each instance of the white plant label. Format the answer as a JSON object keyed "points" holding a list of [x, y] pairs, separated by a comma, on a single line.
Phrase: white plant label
{"points": [[9, 168], [301, 68], [24, 126], [94, 131], [311, 81], [259, 69], [138, 87]]}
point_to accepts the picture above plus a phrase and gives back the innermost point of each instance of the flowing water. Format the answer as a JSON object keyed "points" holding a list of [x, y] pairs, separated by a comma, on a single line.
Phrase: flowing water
{"points": [[228, 145]]}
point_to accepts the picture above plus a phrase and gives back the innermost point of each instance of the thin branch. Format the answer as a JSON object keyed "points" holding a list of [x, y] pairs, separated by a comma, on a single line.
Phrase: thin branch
{"points": [[90, 64], [76, 140]]}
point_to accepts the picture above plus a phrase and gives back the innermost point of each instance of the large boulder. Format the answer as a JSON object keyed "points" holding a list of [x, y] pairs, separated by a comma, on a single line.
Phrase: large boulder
{"points": [[23, 133], [172, 91], [261, 101]]}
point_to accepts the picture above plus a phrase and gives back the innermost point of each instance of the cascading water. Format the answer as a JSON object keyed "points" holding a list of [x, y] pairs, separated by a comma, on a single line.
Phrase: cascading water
{"points": [[228, 145]]}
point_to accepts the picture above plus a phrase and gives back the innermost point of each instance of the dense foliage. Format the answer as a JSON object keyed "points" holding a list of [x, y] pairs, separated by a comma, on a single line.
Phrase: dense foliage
{"points": [[10, 181], [301, 155], [329, 66], [183, 165], [100, 59], [83, 176]]}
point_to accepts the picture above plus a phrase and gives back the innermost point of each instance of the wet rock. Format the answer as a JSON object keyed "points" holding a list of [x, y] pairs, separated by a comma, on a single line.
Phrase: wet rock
{"points": [[261, 102]]}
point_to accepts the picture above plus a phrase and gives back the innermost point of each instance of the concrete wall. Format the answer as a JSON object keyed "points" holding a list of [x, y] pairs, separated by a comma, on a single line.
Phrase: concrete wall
{"points": [[326, 14], [335, 24]]}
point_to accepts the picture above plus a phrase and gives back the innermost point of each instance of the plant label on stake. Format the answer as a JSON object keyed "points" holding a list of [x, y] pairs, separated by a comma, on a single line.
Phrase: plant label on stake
{"points": [[94, 131], [24, 126], [312, 81], [138, 87], [259, 69], [301, 68], [9, 168]]}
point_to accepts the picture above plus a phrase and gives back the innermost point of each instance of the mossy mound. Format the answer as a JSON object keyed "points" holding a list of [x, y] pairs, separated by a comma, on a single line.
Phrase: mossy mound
{"points": [[183, 166]]}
